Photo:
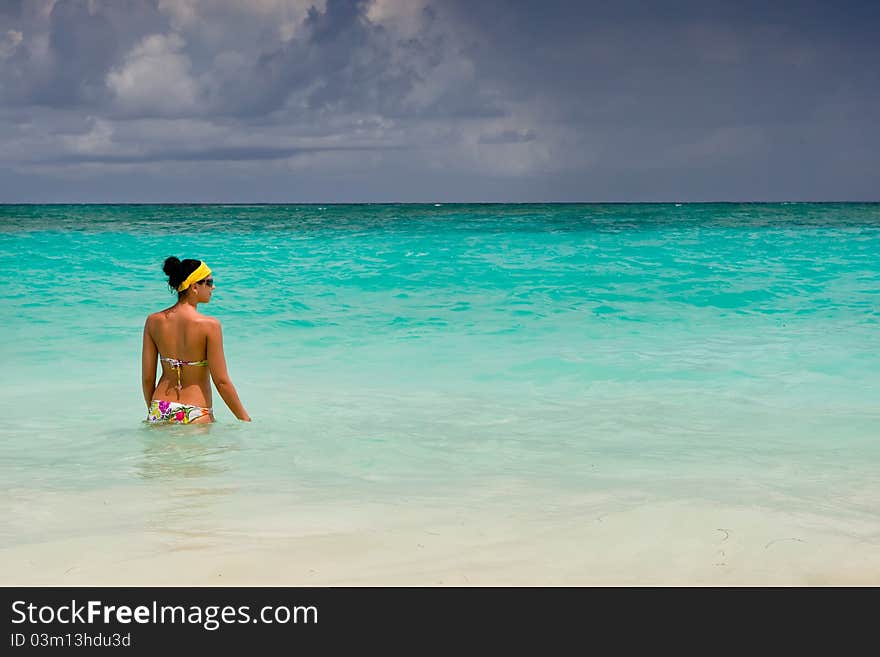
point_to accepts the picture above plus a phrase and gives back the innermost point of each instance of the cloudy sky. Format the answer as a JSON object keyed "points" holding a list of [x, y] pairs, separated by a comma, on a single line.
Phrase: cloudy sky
{"points": [[438, 100]]}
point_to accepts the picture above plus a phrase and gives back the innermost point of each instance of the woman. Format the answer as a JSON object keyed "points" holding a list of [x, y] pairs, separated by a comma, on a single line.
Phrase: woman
{"points": [[190, 345]]}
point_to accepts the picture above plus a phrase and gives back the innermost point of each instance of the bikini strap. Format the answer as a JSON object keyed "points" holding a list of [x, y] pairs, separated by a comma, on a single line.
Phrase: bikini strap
{"points": [[175, 365]]}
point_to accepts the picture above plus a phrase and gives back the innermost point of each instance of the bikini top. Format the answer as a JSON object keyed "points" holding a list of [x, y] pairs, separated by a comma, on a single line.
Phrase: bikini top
{"points": [[177, 364]]}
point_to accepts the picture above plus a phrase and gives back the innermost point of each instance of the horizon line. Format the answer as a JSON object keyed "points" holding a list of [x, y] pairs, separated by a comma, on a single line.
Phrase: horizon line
{"points": [[441, 203]]}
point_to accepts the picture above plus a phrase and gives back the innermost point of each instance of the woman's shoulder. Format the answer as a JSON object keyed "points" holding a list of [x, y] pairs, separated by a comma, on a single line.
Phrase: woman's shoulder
{"points": [[207, 319], [208, 322], [152, 318]]}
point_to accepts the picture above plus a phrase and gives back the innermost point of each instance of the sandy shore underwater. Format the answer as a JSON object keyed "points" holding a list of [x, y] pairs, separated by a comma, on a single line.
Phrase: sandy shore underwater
{"points": [[593, 540]]}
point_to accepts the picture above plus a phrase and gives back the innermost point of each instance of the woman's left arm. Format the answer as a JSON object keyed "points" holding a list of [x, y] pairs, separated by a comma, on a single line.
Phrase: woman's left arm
{"points": [[149, 356]]}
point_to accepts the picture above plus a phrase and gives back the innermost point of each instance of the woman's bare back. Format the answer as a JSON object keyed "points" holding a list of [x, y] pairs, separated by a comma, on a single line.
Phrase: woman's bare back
{"points": [[181, 334]]}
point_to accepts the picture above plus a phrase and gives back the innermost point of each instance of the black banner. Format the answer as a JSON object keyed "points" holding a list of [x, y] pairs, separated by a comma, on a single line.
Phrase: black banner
{"points": [[420, 619]]}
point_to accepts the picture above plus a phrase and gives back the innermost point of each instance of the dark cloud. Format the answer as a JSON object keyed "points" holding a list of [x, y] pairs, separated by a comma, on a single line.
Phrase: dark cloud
{"points": [[84, 45], [342, 62], [508, 137], [339, 62], [549, 98], [340, 21], [67, 48], [704, 63], [11, 9], [221, 154]]}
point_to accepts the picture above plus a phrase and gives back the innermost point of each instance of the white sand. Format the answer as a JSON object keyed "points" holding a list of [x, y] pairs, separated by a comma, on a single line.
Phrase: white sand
{"points": [[587, 541]]}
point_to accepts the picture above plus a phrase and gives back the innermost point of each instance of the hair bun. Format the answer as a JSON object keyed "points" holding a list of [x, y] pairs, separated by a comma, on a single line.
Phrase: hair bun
{"points": [[172, 267], [177, 270]]}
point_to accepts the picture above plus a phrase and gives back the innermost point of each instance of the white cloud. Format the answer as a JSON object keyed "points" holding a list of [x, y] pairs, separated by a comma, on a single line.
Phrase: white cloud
{"points": [[41, 8], [155, 78], [197, 15], [274, 6], [9, 43], [406, 16], [182, 12], [97, 141]]}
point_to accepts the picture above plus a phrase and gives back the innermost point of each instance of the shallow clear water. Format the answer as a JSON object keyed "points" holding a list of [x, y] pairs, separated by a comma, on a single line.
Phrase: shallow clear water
{"points": [[454, 354]]}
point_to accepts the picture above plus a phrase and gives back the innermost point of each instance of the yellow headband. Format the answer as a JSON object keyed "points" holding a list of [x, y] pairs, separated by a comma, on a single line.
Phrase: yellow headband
{"points": [[202, 271]]}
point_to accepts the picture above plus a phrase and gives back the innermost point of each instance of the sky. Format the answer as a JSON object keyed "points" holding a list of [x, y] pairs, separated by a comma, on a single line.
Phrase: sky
{"points": [[334, 101]]}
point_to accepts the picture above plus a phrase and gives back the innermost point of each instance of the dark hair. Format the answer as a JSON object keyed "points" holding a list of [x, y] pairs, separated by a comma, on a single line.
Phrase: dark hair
{"points": [[177, 271]]}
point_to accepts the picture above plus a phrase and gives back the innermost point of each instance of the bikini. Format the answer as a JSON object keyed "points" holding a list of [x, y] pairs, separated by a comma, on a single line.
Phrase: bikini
{"points": [[177, 364], [175, 412]]}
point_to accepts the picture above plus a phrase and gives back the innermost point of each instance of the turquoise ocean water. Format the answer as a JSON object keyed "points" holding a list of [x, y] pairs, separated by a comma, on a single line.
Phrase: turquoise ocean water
{"points": [[458, 355]]}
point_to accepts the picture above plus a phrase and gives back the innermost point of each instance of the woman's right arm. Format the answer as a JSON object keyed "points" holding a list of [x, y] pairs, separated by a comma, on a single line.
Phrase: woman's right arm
{"points": [[149, 355], [217, 366]]}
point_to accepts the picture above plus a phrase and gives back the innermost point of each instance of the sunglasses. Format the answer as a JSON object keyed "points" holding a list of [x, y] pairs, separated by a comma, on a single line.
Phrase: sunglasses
{"points": [[208, 281]]}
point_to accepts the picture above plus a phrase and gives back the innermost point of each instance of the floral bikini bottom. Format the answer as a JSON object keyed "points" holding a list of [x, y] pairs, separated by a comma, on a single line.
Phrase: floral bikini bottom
{"points": [[169, 412]]}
